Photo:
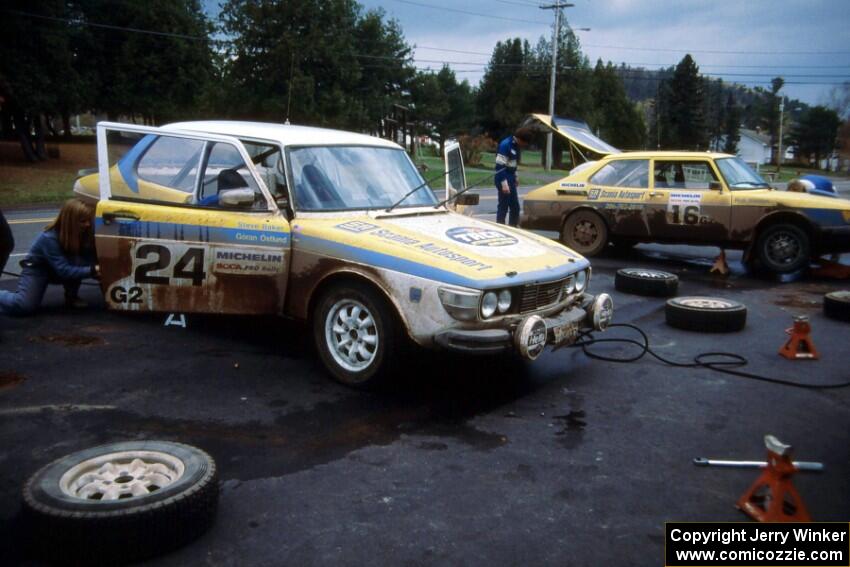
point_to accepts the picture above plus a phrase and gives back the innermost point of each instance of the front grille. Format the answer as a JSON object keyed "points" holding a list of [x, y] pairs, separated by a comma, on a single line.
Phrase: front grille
{"points": [[538, 296]]}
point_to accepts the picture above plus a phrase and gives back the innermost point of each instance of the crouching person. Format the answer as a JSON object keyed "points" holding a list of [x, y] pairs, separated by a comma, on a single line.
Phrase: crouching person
{"points": [[62, 254]]}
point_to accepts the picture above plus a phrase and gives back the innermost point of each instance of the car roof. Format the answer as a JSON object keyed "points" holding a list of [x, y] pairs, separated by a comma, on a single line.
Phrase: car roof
{"points": [[285, 134], [666, 154]]}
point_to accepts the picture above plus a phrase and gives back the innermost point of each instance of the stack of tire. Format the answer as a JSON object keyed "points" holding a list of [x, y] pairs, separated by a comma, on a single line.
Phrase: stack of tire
{"points": [[694, 313]]}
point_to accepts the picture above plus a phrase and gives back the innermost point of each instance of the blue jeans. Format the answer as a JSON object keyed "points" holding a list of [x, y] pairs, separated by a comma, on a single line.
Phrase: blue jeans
{"points": [[508, 201], [31, 287]]}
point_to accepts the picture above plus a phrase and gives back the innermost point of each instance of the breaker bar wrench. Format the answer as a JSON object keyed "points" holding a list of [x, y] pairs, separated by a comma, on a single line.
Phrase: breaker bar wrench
{"points": [[800, 465]]}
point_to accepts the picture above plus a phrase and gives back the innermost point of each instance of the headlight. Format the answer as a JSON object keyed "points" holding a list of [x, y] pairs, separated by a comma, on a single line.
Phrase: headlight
{"points": [[581, 280], [570, 285], [489, 304], [504, 300], [462, 305]]}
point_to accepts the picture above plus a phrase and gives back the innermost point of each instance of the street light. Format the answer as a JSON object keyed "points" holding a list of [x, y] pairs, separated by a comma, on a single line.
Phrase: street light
{"points": [[557, 7]]}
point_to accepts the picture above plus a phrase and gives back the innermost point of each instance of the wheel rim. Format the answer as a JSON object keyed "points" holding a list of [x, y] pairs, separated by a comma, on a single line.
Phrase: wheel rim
{"points": [[351, 335], [649, 274], [585, 233], [121, 475], [783, 248], [706, 303]]}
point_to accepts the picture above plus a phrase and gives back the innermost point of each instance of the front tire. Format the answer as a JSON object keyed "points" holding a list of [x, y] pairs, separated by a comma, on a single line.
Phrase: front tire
{"points": [[585, 232], [355, 334], [783, 248]]}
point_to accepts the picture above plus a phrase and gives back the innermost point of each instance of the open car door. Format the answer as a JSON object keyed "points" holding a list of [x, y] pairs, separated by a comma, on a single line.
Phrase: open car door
{"points": [[185, 224], [583, 143], [455, 174]]}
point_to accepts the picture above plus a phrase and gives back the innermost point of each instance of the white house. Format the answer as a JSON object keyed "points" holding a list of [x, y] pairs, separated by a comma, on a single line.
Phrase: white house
{"points": [[753, 147]]}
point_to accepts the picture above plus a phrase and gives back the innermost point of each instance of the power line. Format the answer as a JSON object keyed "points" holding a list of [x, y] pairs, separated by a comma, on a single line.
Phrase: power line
{"points": [[715, 51], [458, 11]]}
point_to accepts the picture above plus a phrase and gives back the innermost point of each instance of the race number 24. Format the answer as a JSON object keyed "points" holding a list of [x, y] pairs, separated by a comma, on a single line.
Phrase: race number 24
{"points": [[190, 266]]}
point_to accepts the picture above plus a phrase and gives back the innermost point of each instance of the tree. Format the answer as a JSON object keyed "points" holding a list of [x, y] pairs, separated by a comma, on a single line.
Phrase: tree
{"points": [[504, 87], [732, 126], [684, 111], [614, 117], [443, 105], [815, 133], [315, 61]]}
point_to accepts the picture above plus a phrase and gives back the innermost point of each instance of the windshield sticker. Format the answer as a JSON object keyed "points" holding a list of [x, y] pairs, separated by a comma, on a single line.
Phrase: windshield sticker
{"points": [[476, 236]]}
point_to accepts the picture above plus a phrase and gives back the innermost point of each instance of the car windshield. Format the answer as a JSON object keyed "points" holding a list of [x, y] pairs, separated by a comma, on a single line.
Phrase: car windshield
{"points": [[334, 178], [739, 175]]}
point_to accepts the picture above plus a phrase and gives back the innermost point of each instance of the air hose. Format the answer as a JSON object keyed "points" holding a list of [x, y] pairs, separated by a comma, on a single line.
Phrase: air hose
{"points": [[725, 362]]}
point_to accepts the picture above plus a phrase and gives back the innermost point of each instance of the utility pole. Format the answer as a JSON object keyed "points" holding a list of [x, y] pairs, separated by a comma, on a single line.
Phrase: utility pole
{"points": [[557, 7], [779, 157]]}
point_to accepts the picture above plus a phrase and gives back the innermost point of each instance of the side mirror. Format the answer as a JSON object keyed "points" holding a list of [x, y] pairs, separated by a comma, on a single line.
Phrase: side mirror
{"points": [[468, 199], [236, 197], [714, 185]]}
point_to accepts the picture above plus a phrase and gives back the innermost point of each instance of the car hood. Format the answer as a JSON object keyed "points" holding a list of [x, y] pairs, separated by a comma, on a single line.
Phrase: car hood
{"points": [[446, 247], [574, 131]]}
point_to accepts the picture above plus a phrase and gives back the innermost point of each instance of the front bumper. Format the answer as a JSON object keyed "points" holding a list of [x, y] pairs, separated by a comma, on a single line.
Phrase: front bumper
{"points": [[562, 328]]}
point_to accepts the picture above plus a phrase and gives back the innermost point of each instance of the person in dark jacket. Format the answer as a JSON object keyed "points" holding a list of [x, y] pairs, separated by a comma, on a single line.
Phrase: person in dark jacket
{"points": [[7, 242], [507, 159], [63, 253]]}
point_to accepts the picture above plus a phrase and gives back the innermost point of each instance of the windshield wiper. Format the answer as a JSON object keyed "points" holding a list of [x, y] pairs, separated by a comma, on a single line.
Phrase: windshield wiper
{"points": [[417, 188]]}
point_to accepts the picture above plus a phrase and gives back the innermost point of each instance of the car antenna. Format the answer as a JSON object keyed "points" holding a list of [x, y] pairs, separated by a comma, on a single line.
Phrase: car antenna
{"points": [[418, 187]]}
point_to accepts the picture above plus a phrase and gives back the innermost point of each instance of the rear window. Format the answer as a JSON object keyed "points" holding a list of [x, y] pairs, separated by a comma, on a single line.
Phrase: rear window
{"points": [[623, 173]]}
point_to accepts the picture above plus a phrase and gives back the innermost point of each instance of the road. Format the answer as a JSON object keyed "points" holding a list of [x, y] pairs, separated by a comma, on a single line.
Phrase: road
{"points": [[462, 460]]}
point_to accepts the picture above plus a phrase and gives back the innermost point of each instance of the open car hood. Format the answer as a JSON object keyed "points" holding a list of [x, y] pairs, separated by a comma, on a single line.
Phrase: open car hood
{"points": [[575, 132]]}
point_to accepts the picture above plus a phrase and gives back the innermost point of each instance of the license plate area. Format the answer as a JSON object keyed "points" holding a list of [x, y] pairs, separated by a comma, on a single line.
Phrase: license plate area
{"points": [[565, 333]]}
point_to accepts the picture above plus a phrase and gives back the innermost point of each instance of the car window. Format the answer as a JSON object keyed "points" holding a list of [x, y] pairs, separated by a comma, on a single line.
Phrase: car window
{"points": [[739, 175], [171, 162], [683, 174], [623, 173], [225, 170], [268, 161], [327, 178]]}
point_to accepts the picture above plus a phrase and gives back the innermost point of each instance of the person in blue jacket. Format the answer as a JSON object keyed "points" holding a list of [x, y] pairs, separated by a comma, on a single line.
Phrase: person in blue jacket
{"points": [[63, 253], [7, 242], [507, 159]]}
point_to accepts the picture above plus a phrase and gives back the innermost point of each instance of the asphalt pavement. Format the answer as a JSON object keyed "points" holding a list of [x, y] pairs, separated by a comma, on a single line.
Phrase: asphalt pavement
{"points": [[462, 460]]}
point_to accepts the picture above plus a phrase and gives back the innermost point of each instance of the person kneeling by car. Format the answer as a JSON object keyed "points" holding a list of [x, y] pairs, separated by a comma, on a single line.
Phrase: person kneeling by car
{"points": [[63, 253]]}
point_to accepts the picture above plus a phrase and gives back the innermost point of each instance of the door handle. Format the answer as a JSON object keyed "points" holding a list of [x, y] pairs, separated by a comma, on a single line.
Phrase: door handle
{"points": [[652, 193], [126, 215]]}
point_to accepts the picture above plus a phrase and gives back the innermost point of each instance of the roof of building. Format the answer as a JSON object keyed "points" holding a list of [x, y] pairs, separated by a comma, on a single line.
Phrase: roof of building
{"points": [[757, 136], [285, 134]]}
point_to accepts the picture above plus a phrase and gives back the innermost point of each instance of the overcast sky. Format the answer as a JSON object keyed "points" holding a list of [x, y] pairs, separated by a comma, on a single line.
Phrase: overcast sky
{"points": [[744, 41]]}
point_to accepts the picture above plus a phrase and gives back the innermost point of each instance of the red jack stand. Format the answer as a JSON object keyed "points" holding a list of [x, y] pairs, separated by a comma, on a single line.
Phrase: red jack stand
{"points": [[720, 266], [800, 346], [772, 497]]}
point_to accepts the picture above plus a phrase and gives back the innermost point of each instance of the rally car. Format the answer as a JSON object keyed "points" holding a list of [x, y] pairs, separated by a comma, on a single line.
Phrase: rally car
{"points": [[697, 198], [327, 226]]}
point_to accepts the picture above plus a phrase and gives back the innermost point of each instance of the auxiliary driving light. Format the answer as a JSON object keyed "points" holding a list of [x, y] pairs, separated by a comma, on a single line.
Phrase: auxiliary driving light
{"points": [[530, 337], [603, 311]]}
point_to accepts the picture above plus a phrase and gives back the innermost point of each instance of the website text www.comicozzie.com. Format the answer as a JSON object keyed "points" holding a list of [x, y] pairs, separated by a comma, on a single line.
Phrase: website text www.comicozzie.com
{"points": [[811, 544]]}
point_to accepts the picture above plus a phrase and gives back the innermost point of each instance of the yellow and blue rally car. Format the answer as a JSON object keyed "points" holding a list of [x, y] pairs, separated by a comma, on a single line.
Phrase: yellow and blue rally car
{"points": [[327, 226], [695, 198]]}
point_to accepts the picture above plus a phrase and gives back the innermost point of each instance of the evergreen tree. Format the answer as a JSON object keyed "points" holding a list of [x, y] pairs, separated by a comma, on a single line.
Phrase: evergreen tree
{"points": [[614, 117], [685, 111], [815, 133], [732, 126]]}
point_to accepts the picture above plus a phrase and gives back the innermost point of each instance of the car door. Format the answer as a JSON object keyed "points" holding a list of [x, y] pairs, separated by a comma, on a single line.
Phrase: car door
{"points": [[618, 192], [687, 202], [455, 175], [169, 251]]}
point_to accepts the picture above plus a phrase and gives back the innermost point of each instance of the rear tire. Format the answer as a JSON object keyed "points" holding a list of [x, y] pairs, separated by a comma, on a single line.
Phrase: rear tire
{"points": [[356, 335], [783, 248], [706, 314], [585, 232]]}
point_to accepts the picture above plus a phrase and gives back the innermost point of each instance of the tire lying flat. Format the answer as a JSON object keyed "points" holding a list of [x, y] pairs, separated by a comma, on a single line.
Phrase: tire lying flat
{"points": [[706, 314], [836, 305], [642, 281], [81, 508]]}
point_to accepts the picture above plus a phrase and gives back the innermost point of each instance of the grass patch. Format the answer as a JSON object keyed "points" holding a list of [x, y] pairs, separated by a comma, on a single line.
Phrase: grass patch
{"points": [[46, 182], [788, 173], [530, 171]]}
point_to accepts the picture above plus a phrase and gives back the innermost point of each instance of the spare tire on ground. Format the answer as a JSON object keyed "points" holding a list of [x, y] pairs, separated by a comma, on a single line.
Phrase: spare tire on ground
{"points": [[836, 305], [643, 281], [120, 502], [706, 314]]}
